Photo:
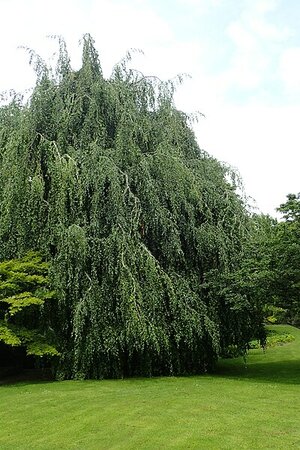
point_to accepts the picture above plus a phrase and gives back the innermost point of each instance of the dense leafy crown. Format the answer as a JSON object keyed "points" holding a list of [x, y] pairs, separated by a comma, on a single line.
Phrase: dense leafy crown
{"points": [[24, 286], [105, 177]]}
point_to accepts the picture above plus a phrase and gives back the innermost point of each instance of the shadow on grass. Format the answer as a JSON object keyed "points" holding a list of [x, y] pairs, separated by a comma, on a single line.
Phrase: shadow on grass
{"points": [[287, 372], [28, 376]]}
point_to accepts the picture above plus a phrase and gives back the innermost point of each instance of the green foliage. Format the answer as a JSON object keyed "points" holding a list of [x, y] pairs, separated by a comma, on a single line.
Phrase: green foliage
{"points": [[142, 227], [274, 263], [291, 208], [18, 302], [274, 338], [30, 274], [279, 339], [286, 259], [275, 314], [8, 336]]}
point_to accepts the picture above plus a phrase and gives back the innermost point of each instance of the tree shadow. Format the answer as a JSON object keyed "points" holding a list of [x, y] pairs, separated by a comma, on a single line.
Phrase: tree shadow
{"points": [[28, 376], [287, 372]]}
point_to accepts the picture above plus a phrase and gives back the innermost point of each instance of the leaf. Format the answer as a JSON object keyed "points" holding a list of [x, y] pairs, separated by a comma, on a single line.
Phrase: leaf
{"points": [[20, 301], [8, 336], [41, 349]]}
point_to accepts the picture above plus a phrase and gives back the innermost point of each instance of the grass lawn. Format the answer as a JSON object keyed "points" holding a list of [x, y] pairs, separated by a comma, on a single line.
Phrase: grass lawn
{"points": [[252, 406]]}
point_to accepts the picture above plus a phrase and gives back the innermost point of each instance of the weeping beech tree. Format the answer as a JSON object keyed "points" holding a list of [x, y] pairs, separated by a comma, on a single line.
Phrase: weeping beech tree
{"points": [[105, 177]]}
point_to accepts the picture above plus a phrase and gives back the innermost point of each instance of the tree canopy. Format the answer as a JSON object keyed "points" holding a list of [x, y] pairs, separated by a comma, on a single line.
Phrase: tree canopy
{"points": [[284, 257], [141, 227], [24, 288], [270, 268]]}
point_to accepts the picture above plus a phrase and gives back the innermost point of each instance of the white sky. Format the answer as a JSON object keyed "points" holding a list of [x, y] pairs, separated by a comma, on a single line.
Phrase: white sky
{"points": [[243, 56]]}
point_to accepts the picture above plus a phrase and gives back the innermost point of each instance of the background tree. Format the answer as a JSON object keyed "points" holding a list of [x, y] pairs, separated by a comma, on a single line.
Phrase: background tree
{"points": [[269, 269], [110, 183], [286, 259]]}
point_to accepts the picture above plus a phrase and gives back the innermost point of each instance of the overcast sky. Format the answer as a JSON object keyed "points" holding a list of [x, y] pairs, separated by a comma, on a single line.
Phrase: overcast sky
{"points": [[243, 57]]}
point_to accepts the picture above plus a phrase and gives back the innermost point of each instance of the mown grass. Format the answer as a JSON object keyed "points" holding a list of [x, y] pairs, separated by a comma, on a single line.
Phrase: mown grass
{"points": [[252, 406]]}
